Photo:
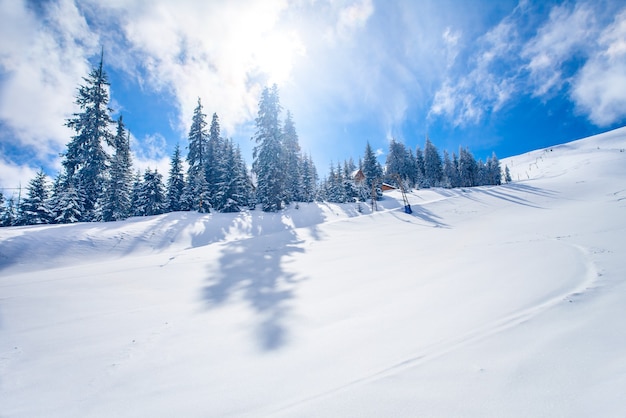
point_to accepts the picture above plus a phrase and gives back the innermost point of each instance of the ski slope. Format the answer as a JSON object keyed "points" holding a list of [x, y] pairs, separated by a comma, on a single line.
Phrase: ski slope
{"points": [[491, 301]]}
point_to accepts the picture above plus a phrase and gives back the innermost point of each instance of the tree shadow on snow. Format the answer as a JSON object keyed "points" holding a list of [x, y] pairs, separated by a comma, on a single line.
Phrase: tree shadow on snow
{"points": [[254, 270]]}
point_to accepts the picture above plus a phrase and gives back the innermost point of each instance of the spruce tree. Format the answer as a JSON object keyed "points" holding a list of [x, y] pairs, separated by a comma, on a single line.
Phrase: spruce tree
{"points": [[268, 153], [372, 170], [152, 194], [9, 216], [85, 161], [68, 205], [116, 205], [197, 191], [292, 161], [216, 168], [433, 170], [309, 179], [35, 209], [507, 174], [175, 182]]}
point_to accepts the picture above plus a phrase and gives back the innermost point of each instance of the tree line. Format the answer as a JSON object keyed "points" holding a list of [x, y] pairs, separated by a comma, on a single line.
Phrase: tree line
{"points": [[97, 181]]}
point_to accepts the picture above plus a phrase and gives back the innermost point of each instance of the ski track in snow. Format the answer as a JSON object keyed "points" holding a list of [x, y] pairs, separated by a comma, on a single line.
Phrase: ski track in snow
{"points": [[446, 346]]}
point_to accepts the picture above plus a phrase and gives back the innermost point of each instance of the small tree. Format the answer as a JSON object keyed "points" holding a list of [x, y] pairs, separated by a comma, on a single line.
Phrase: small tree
{"points": [[35, 208], [175, 182]]}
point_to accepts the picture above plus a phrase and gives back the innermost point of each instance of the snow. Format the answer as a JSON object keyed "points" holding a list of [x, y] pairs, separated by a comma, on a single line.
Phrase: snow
{"points": [[491, 301]]}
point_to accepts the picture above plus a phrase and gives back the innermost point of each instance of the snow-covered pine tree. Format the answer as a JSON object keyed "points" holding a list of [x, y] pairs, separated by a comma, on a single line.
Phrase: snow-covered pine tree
{"points": [[116, 202], [152, 195], [292, 161], [35, 209], [85, 161], [268, 153], [9, 216], [468, 168], [419, 167], [309, 179], [447, 170], [216, 167], [236, 185], [433, 169], [175, 182], [494, 170], [399, 162], [135, 195], [372, 170], [3, 208], [507, 174], [197, 191], [68, 205]]}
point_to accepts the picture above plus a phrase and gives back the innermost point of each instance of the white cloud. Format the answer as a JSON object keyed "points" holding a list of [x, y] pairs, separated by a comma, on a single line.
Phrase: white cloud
{"points": [[507, 65], [13, 176], [599, 89], [41, 64], [565, 33]]}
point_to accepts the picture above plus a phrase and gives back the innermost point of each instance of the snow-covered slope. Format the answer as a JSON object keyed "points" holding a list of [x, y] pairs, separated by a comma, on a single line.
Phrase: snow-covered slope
{"points": [[493, 301]]}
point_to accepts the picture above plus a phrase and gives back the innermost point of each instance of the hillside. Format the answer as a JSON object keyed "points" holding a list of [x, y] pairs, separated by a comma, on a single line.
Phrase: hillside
{"points": [[491, 301]]}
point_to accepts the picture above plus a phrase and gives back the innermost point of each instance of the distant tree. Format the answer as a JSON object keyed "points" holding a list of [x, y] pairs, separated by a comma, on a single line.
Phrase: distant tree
{"points": [[494, 172], [372, 169], [268, 152], [175, 182], [116, 204], [85, 161], [507, 174], [35, 209]]}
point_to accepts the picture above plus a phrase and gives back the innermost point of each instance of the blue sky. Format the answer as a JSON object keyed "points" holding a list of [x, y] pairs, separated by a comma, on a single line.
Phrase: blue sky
{"points": [[503, 76]]}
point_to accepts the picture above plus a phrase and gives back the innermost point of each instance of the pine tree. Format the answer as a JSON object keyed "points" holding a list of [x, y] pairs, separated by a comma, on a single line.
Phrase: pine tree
{"points": [[197, 191], [372, 170], [236, 186], [419, 167], [2, 208], [268, 153], [85, 161], [175, 182], [433, 170], [116, 205], [507, 174], [309, 179], [68, 206], [494, 170], [450, 174], [35, 209], [9, 216], [135, 195], [468, 168], [216, 170], [292, 161], [152, 195]]}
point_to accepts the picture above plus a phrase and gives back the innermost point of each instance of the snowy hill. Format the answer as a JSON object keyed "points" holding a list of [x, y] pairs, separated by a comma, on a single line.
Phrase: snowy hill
{"points": [[492, 301]]}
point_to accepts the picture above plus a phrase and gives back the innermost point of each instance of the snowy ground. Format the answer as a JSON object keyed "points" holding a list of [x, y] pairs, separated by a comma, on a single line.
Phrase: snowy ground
{"points": [[486, 302]]}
